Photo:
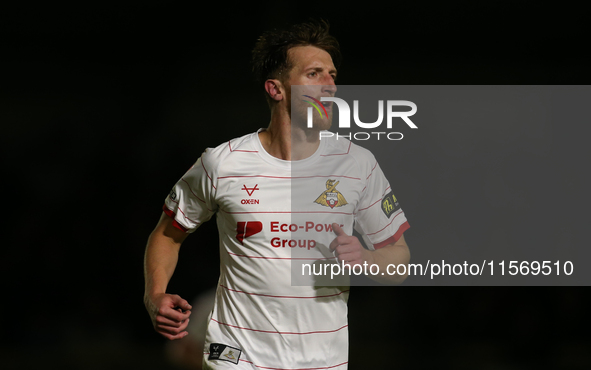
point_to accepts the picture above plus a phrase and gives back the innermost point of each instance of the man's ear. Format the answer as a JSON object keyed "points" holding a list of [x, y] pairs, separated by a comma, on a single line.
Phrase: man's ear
{"points": [[275, 89]]}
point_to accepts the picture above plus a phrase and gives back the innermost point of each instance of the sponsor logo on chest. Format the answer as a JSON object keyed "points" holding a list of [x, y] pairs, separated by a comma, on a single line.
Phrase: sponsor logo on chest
{"points": [[250, 192]]}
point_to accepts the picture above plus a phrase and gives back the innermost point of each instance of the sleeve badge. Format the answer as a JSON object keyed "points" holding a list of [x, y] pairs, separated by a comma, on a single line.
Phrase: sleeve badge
{"points": [[390, 204]]}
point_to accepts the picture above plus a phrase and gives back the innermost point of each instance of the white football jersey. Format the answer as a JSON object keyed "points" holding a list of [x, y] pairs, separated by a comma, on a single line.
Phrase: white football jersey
{"points": [[273, 216]]}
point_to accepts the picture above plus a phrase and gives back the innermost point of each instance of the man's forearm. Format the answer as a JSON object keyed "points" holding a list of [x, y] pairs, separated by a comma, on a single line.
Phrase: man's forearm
{"points": [[162, 253], [392, 254], [159, 263]]}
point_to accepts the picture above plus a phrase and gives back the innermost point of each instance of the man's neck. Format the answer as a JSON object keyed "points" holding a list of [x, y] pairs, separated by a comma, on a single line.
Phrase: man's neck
{"points": [[286, 141]]}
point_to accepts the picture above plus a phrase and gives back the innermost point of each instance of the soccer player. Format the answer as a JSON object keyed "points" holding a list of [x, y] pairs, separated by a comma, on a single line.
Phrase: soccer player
{"points": [[281, 197]]}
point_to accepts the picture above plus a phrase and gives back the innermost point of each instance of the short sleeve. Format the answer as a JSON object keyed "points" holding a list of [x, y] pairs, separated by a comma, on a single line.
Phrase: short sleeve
{"points": [[192, 199], [379, 218]]}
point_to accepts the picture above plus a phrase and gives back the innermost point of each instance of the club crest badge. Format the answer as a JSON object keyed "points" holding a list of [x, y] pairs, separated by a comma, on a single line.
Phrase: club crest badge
{"points": [[331, 197]]}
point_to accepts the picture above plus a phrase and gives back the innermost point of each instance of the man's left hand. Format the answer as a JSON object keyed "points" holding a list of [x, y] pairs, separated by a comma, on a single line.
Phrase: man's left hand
{"points": [[347, 248]]}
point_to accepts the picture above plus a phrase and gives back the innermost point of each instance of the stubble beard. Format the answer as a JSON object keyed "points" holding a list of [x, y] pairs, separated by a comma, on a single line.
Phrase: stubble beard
{"points": [[299, 117]]}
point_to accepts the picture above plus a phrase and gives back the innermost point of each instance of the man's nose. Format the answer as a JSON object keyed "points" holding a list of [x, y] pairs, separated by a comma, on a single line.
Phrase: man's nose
{"points": [[330, 88]]}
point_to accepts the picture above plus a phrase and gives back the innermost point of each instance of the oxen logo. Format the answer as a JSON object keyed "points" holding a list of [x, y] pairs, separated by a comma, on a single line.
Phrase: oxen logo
{"points": [[250, 190], [331, 197]]}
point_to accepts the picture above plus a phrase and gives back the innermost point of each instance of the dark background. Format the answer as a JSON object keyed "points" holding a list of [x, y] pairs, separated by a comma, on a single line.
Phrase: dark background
{"points": [[104, 108]]}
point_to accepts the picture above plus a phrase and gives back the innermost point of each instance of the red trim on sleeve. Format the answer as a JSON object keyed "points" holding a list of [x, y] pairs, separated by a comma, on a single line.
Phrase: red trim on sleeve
{"points": [[170, 214], [394, 238]]}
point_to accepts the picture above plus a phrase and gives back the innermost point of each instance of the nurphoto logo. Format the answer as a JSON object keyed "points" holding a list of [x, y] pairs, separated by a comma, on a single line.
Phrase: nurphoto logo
{"points": [[344, 110]]}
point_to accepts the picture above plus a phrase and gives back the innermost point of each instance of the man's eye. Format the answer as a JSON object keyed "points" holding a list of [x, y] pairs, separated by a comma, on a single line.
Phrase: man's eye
{"points": [[312, 74]]}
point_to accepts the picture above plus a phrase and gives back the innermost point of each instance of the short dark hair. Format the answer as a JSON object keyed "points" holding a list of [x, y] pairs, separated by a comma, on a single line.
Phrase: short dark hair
{"points": [[270, 58]]}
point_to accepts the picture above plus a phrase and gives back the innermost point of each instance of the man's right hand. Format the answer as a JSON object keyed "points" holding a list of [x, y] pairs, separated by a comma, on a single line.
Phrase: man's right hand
{"points": [[169, 313]]}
